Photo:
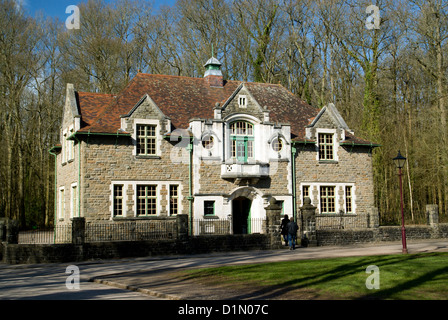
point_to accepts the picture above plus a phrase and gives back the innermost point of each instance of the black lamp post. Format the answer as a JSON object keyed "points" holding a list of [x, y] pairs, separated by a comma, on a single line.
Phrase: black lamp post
{"points": [[400, 162]]}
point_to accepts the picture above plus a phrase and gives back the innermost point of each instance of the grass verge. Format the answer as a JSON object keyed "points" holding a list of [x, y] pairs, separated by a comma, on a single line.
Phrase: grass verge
{"points": [[413, 276]]}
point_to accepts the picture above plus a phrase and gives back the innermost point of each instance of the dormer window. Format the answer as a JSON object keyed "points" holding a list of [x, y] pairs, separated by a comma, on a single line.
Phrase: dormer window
{"points": [[242, 140], [146, 140], [242, 101], [326, 151]]}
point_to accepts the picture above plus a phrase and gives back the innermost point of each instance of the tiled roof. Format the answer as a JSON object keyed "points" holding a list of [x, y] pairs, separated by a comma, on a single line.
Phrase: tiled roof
{"points": [[91, 106], [185, 98], [351, 140]]}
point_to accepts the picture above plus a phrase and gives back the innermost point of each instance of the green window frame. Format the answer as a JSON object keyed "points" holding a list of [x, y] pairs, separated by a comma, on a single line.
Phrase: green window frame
{"points": [[242, 140], [209, 208], [146, 200]]}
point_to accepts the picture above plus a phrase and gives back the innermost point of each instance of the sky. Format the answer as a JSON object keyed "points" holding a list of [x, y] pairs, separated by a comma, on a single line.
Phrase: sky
{"points": [[56, 8]]}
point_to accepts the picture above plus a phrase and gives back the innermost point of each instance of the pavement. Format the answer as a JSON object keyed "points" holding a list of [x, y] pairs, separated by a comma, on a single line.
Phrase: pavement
{"points": [[159, 277]]}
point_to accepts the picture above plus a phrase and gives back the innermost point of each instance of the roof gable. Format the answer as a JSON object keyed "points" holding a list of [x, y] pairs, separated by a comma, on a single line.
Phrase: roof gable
{"points": [[328, 117]]}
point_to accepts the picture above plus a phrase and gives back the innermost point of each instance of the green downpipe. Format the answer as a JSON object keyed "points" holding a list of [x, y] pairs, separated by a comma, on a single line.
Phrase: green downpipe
{"points": [[190, 188], [294, 204]]}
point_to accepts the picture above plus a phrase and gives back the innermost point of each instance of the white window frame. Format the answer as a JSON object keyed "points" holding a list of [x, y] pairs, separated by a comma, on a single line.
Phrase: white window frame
{"points": [[177, 198], [335, 144], [337, 185], [133, 185], [125, 185], [242, 101], [152, 122]]}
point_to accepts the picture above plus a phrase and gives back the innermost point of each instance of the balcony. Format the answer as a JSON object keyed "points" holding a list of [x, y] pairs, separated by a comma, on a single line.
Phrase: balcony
{"points": [[244, 171]]}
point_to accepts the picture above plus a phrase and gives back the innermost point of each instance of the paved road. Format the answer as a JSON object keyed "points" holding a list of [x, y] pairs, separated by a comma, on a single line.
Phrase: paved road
{"points": [[48, 281]]}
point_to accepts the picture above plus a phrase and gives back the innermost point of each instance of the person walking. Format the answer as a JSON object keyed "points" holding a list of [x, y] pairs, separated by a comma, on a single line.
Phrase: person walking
{"points": [[284, 228], [292, 233]]}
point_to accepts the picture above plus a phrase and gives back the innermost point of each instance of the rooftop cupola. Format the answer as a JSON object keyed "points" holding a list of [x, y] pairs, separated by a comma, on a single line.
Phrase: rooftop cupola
{"points": [[213, 74]]}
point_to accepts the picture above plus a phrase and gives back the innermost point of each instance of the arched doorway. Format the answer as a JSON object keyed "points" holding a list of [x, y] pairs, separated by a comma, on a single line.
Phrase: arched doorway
{"points": [[241, 215]]}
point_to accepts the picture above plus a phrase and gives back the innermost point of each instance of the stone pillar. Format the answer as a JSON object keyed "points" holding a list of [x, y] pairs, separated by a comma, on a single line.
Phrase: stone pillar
{"points": [[273, 211], [182, 227], [308, 223], [373, 218], [432, 215], [78, 230], [12, 231]]}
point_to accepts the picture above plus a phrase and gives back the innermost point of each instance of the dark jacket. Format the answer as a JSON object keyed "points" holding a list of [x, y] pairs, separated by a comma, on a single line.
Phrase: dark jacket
{"points": [[292, 227], [284, 226]]}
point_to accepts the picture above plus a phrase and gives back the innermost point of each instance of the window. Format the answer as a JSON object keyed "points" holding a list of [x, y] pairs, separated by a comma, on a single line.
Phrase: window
{"points": [[174, 199], [208, 142], [209, 208], [61, 203], [242, 101], [146, 140], [348, 199], [242, 140], [327, 199], [277, 144], [118, 200], [281, 203], [326, 146], [74, 199], [305, 193], [146, 200]]}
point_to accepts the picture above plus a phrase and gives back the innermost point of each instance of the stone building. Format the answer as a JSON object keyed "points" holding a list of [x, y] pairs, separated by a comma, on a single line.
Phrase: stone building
{"points": [[207, 147]]}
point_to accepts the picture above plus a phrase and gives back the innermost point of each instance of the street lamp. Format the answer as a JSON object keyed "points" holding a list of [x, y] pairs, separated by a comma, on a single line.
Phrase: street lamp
{"points": [[400, 162]]}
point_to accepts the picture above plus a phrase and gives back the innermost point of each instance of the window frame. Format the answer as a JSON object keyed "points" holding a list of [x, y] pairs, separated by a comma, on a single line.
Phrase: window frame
{"points": [[325, 148], [146, 199], [326, 200], [120, 198], [242, 101], [242, 135], [146, 138], [348, 199], [213, 203], [176, 198]]}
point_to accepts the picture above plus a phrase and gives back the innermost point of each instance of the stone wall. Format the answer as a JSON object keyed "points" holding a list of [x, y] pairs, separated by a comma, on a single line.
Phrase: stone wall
{"points": [[108, 160], [354, 166], [60, 253], [381, 234]]}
